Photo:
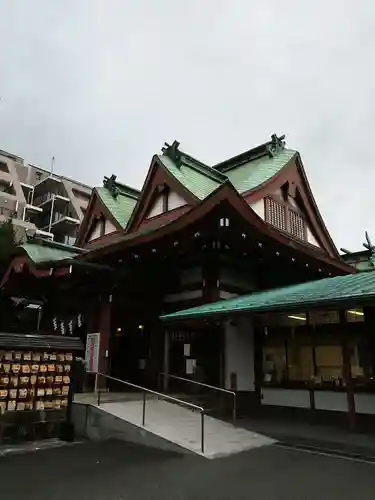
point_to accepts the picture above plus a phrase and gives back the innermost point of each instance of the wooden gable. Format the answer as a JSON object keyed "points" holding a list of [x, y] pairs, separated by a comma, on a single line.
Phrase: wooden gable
{"points": [[229, 197], [287, 202], [97, 222], [164, 201], [161, 194]]}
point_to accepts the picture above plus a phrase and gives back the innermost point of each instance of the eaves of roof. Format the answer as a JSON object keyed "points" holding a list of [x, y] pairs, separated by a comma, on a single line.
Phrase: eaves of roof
{"points": [[336, 291]]}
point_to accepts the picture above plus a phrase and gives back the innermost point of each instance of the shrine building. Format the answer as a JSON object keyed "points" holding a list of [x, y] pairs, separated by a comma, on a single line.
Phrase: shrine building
{"points": [[225, 270]]}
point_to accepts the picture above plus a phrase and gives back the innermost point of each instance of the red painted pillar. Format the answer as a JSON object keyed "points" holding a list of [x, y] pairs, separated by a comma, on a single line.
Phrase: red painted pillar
{"points": [[104, 323]]}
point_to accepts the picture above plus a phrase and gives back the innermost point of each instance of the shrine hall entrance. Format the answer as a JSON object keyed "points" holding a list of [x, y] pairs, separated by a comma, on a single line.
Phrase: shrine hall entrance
{"points": [[196, 355], [129, 354]]}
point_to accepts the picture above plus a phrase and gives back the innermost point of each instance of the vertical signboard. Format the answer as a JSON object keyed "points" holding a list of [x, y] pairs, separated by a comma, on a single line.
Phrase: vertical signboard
{"points": [[92, 352]]}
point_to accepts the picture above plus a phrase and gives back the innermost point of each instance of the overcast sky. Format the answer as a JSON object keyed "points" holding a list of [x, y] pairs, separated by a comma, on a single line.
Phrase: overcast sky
{"points": [[102, 84]]}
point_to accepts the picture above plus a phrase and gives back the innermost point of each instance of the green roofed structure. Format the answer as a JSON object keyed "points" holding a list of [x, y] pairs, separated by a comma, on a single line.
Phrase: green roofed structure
{"points": [[42, 251], [221, 273], [120, 205], [337, 292]]}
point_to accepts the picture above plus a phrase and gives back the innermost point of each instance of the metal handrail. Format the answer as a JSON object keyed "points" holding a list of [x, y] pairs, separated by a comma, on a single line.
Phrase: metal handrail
{"points": [[146, 391], [213, 387]]}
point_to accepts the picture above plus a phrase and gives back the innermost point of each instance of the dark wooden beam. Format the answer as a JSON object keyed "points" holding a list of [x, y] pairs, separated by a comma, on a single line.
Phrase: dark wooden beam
{"points": [[347, 370]]}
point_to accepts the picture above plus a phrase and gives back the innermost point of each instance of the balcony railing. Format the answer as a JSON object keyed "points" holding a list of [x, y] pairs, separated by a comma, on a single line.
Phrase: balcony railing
{"points": [[46, 197]]}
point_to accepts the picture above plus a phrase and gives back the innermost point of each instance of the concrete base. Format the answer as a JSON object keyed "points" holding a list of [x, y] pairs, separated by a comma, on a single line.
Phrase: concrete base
{"points": [[95, 424], [168, 426]]}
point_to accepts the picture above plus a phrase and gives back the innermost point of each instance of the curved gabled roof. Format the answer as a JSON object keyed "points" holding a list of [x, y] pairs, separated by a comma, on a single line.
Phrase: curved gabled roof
{"points": [[246, 172], [121, 206], [225, 192], [254, 173], [201, 182]]}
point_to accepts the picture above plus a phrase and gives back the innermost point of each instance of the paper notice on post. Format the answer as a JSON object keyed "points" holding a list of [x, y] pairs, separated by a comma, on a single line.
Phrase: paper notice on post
{"points": [[190, 366], [92, 352], [186, 349]]}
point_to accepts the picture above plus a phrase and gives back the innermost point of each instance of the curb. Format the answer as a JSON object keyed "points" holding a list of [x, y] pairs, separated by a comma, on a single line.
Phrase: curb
{"points": [[330, 449], [21, 449]]}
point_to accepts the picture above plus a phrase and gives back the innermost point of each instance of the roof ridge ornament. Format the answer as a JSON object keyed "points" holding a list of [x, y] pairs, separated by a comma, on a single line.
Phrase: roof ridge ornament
{"points": [[276, 145], [110, 184], [370, 247], [173, 152]]}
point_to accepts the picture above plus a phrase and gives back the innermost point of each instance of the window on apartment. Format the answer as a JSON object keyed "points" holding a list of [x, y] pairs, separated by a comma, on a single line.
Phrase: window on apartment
{"points": [[81, 195], [29, 194], [69, 240], [6, 212], [6, 187], [38, 176], [4, 167]]}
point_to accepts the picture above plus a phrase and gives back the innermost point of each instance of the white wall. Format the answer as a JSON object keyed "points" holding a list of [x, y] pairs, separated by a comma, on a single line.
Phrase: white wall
{"points": [[109, 227], [365, 403], [175, 201], [258, 208], [330, 400], [97, 231], [311, 238], [239, 353], [157, 208], [292, 398]]}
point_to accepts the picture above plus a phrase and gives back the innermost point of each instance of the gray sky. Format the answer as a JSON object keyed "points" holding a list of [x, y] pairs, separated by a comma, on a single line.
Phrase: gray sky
{"points": [[101, 84]]}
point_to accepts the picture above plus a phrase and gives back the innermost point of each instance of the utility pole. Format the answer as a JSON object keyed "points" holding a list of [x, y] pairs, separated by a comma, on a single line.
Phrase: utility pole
{"points": [[52, 165]]}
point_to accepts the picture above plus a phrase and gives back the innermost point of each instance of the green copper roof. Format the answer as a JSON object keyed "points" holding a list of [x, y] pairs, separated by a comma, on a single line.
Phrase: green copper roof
{"points": [[338, 290], [246, 171], [256, 172], [201, 183], [202, 180], [122, 206], [45, 253]]}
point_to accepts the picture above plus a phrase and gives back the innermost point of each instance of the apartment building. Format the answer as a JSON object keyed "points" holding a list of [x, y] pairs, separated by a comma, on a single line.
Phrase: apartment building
{"points": [[40, 202]]}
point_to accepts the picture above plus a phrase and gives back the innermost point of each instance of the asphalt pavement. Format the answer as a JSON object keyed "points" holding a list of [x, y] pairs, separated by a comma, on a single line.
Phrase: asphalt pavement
{"points": [[118, 471]]}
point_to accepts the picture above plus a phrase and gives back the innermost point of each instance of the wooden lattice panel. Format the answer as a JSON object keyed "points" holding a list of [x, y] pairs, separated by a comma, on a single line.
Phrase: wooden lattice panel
{"points": [[297, 225], [276, 214]]}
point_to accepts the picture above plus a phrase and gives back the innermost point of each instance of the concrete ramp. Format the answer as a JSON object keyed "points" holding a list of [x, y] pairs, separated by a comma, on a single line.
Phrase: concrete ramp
{"points": [[180, 426]]}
